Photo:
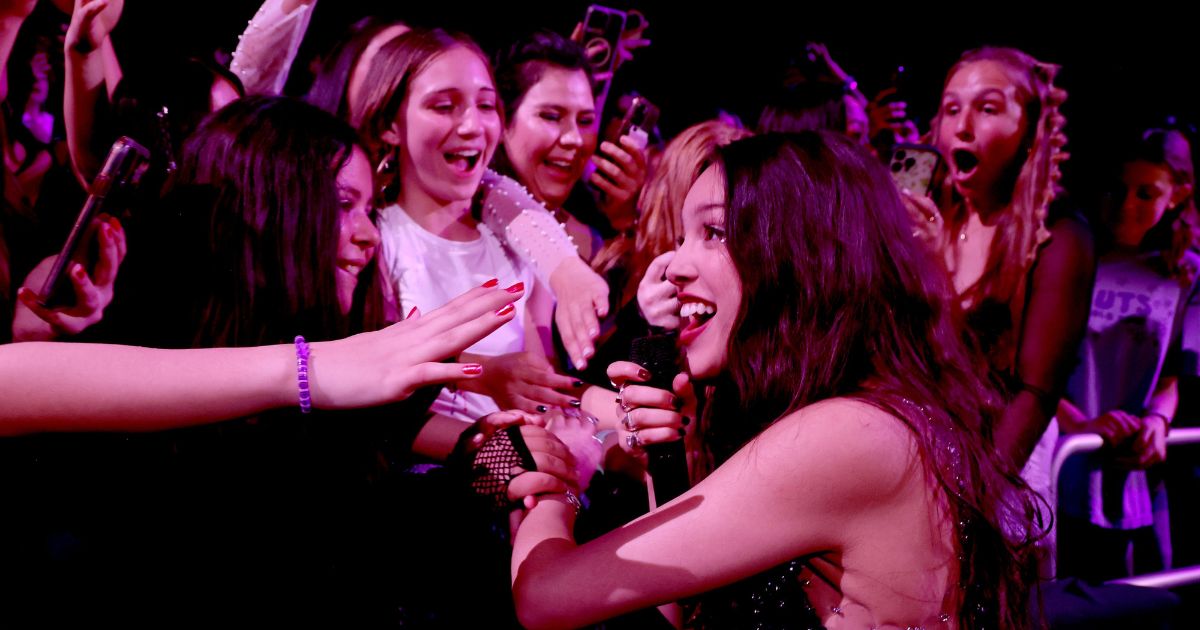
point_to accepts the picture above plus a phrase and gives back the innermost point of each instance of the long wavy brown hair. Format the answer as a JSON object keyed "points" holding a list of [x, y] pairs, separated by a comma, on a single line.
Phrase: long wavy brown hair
{"points": [[839, 300]]}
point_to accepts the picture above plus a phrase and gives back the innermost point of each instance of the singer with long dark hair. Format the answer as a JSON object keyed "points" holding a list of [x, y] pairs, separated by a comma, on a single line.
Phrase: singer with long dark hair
{"points": [[857, 483]]}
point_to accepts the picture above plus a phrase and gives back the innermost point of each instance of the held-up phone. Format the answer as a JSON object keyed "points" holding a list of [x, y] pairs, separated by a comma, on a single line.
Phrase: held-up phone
{"points": [[125, 163], [913, 167], [640, 117], [602, 29]]}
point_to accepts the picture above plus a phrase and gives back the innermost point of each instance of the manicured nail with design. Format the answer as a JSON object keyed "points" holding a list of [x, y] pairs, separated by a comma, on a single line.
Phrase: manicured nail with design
{"points": [[472, 369], [491, 283], [516, 288], [542, 408], [507, 310]]}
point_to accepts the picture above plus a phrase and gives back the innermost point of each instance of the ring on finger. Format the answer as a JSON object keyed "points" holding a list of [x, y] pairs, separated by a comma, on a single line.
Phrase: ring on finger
{"points": [[621, 396], [632, 440], [627, 422]]}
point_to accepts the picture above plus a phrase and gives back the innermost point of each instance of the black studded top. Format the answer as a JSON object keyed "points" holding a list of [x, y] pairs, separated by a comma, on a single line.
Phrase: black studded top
{"points": [[772, 600]]}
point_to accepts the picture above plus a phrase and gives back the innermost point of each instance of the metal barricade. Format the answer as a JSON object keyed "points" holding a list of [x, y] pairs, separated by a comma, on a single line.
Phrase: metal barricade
{"points": [[1087, 442]]}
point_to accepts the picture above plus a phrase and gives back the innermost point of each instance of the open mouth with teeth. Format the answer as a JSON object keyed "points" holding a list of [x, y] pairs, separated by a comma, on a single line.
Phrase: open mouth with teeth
{"points": [[695, 316], [463, 161], [560, 166], [964, 161]]}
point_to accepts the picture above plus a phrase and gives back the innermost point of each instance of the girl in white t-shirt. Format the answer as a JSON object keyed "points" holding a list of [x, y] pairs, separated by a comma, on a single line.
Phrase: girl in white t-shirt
{"points": [[432, 116]]}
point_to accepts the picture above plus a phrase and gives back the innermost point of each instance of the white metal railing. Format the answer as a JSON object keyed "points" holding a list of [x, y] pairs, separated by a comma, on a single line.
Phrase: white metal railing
{"points": [[1080, 443]]}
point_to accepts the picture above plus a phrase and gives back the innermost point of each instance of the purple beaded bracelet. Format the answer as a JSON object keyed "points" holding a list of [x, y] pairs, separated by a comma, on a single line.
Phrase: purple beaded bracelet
{"points": [[302, 374]]}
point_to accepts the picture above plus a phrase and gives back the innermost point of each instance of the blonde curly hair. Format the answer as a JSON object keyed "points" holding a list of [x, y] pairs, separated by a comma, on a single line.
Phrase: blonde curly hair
{"points": [[1021, 231]]}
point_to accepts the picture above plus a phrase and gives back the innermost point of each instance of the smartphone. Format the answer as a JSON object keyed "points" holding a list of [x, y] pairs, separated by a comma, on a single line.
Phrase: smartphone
{"points": [[913, 167], [126, 162], [640, 117], [602, 29]]}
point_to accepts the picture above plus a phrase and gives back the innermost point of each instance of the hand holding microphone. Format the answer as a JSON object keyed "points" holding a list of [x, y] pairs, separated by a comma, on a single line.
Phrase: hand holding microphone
{"points": [[656, 407]]}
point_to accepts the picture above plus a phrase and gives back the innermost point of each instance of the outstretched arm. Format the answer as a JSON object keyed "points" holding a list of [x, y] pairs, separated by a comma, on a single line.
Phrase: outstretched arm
{"points": [[96, 387]]}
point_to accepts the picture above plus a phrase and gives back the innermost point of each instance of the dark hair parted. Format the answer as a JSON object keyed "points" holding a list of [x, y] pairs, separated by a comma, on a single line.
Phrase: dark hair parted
{"points": [[258, 181], [525, 62], [839, 300]]}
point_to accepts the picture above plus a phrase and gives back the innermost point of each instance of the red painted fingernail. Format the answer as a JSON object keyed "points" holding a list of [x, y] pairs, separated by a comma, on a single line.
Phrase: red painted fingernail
{"points": [[643, 374], [472, 369], [491, 283], [413, 313], [516, 288], [507, 310]]}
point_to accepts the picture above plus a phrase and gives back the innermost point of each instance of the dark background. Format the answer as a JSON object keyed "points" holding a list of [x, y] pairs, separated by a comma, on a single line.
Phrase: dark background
{"points": [[1124, 70]]}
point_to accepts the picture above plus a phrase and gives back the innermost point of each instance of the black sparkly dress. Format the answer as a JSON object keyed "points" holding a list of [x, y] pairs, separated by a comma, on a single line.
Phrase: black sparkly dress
{"points": [[772, 600]]}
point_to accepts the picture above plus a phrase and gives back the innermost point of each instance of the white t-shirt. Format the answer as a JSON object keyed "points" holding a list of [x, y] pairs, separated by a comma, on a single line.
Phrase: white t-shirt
{"points": [[1139, 328], [427, 271]]}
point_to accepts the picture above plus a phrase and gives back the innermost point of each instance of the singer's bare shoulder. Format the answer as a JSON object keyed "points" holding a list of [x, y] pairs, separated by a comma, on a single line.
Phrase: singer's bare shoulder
{"points": [[856, 449], [837, 482]]}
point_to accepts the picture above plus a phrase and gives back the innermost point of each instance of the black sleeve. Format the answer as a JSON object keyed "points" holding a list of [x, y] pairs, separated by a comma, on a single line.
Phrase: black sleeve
{"points": [[1058, 300]]}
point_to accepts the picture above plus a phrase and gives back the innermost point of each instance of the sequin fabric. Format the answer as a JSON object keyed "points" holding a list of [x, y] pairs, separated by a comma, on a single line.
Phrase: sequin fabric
{"points": [[772, 600]]}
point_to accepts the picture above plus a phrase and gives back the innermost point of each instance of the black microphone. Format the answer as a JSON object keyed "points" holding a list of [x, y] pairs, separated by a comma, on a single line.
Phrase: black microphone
{"points": [[667, 462]]}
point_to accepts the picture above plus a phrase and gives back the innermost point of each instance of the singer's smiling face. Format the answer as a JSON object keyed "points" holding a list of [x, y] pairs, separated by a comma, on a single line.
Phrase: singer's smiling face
{"points": [[710, 291]]}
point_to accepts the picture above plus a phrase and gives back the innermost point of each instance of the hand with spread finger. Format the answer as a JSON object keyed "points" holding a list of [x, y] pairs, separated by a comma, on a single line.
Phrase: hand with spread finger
{"points": [[650, 415], [388, 365], [582, 297], [620, 174], [93, 292], [525, 381]]}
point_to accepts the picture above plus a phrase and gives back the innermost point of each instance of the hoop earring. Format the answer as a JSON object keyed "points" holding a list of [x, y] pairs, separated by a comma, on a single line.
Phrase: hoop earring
{"points": [[387, 176]]}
